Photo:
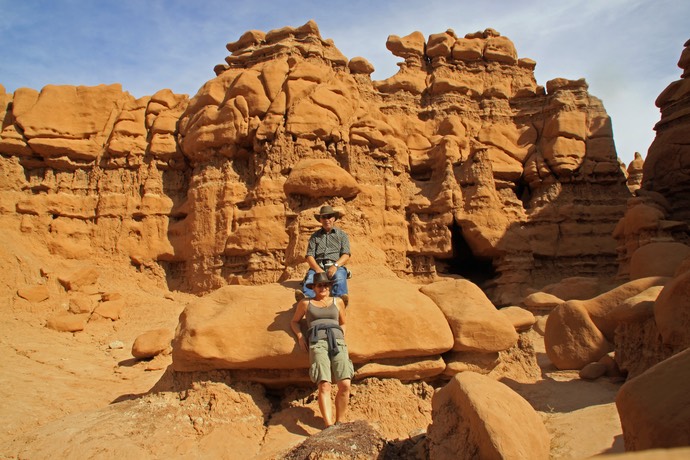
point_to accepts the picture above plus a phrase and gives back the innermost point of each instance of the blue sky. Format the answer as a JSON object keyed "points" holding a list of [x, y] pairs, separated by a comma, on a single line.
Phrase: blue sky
{"points": [[627, 50]]}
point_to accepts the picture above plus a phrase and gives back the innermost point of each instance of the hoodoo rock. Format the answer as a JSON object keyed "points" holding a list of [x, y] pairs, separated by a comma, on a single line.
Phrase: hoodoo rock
{"points": [[458, 164], [653, 238]]}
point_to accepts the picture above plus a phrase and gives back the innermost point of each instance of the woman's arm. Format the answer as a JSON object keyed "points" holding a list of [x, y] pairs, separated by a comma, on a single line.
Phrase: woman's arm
{"points": [[300, 311], [341, 313]]}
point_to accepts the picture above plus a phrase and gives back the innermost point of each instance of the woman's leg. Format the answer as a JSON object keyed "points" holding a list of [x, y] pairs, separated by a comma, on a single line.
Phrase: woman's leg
{"points": [[341, 400], [325, 402]]}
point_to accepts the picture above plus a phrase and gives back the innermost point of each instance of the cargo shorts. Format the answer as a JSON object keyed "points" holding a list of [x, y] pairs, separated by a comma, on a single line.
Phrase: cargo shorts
{"points": [[322, 367]]}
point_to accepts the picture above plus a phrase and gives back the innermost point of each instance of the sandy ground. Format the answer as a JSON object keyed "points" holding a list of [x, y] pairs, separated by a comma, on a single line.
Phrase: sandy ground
{"points": [[46, 376]]}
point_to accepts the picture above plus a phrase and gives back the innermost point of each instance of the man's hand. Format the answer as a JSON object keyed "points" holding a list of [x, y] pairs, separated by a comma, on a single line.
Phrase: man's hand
{"points": [[331, 271]]}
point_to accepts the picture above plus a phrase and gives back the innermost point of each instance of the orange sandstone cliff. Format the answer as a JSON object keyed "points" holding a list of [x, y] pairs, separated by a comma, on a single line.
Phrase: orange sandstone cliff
{"points": [[458, 164]]}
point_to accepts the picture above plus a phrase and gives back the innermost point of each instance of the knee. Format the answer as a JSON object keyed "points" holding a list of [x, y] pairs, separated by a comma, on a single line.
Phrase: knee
{"points": [[325, 388], [344, 387]]}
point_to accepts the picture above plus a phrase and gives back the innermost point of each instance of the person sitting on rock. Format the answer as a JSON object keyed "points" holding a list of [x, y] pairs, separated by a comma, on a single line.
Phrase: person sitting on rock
{"points": [[328, 251], [328, 356]]}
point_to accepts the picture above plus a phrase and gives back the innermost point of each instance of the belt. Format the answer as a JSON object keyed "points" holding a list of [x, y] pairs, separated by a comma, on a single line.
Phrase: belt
{"points": [[325, 262]]}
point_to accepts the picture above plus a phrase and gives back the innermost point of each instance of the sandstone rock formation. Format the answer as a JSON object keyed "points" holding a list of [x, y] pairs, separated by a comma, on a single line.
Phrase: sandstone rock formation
{"points": [[660, 212], [655, 406], [460, 163], [243, 332], [653, 237], [635, 172], [579, 332], [468, 423]]}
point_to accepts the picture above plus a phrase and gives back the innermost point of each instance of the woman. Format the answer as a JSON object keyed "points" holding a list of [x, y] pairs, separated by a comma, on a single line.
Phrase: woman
{"points": [[328, 357]]}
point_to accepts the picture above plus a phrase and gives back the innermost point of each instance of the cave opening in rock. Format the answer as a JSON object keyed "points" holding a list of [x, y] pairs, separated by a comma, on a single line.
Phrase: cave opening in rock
{"points": [[479, 270]]}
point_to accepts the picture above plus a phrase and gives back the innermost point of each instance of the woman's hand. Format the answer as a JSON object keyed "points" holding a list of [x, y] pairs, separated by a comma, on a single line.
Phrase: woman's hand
{"points": [[300, 311], [302, 343]]}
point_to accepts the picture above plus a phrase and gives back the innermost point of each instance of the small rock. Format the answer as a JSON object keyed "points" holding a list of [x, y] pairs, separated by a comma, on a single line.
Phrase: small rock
{"points": [[592, 371], [34, 293], [67, 322], [152, 343], [116, 345], [612, 369]]}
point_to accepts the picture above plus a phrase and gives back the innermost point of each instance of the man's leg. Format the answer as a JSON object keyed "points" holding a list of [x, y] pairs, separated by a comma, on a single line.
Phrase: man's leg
{"points": [[340, 282]]}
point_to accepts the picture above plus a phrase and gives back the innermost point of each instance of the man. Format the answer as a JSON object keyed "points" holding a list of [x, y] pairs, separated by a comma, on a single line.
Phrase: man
{"points": [[328, 251]]}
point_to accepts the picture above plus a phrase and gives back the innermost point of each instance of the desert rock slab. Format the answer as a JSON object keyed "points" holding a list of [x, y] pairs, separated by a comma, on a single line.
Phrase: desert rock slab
{"points": [[402, 324], [654, 407], [468, 423], [475, 322], [238, 327]]}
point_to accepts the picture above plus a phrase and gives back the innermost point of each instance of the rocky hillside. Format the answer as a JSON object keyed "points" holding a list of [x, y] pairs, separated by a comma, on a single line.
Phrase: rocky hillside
{"points": [[461, 163]]}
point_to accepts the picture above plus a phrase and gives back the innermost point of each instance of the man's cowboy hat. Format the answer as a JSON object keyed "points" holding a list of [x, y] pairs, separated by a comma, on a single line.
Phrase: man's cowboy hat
{"points": [[320, 278], [328, 211]]}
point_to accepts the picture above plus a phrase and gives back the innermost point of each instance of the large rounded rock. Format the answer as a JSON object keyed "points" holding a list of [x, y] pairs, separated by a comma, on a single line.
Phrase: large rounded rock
{"points": [[467, 422], [637, 308], [238, 327], [571, 338], [579, 332], [476, 323], [316, 177], [654, 407], [601, 306], [390, 318], [248, 327]]}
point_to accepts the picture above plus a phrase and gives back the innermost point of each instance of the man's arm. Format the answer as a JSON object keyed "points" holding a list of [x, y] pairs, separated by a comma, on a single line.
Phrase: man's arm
{"points": [[339, 263], [313, 265]]}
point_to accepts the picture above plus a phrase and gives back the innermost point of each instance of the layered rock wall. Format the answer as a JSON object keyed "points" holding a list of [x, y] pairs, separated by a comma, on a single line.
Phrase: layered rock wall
{"points": [[660, 211], [460, 163]]}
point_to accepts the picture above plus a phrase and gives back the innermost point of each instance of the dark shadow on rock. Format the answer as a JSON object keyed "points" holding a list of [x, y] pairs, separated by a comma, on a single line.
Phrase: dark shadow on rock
{"points": [[413, 448], [165, 383], [617, 447], [289, 417], [127, 397], [281, 322], [545, 363], [292, 284]]}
